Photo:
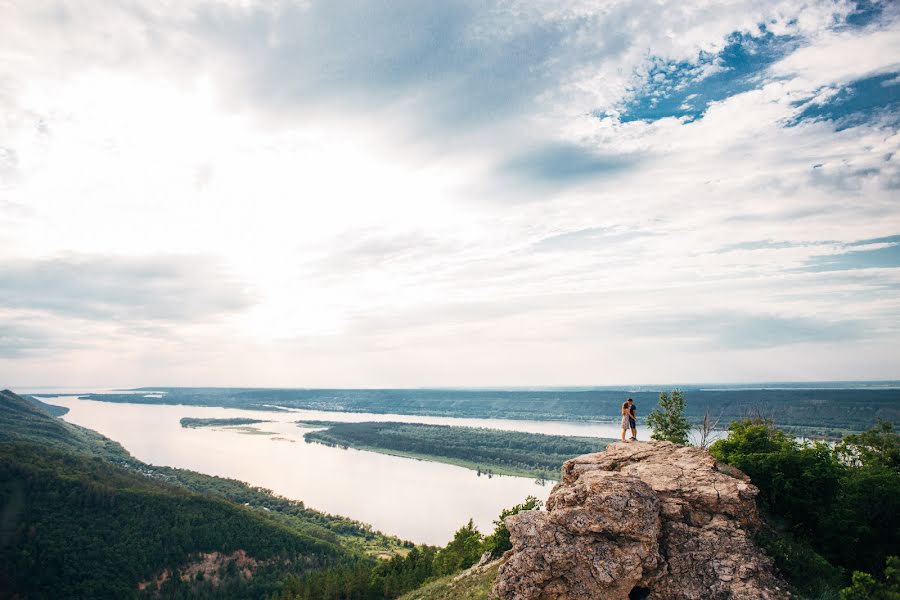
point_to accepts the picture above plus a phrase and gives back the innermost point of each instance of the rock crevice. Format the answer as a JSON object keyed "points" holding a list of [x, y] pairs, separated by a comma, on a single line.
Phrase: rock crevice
{"points": [[655, 519]]}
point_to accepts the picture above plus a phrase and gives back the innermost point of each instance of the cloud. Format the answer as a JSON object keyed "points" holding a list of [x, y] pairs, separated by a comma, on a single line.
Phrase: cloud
{"points": [[168, 289], [557, 163], [882, 253], [358, 251], [840, 56], [589, 238], [458, 193], [19, 339], [875, 98], [685, 89], [730, 330], [449, 65], [765, 245]]}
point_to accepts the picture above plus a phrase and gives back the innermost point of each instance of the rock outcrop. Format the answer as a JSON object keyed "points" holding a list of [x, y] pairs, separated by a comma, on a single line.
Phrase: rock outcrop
{"points": [[640, 520]]}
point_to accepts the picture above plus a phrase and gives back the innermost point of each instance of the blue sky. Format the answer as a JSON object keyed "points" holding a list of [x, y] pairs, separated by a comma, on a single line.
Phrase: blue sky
{"points": [[237, 192]]}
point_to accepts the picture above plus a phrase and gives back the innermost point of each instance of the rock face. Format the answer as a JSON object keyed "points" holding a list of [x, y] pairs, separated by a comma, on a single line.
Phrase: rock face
{"points": [[640, 520]]}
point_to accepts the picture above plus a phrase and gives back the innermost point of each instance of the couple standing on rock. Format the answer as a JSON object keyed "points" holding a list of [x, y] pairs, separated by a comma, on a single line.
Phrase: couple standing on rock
{"points": [[629, 419]]}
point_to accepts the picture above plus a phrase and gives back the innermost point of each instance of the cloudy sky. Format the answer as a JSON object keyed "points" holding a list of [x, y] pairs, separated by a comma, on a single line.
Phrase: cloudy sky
{"points": [[407, 193]]}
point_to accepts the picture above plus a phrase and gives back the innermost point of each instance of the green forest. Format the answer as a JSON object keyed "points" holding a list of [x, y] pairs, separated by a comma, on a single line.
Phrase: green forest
{"points": [[832, 512], [822, 410], [488, 451]]}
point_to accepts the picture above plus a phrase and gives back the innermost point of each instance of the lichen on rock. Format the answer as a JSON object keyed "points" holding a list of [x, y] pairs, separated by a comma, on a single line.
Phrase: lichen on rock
{"points": [[654, 520]]}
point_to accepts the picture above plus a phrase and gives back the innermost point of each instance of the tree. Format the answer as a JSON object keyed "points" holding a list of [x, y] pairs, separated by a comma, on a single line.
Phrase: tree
{"points": [[877, 447], [844, 504], [667, 420], [462, 552], [498, 542]]}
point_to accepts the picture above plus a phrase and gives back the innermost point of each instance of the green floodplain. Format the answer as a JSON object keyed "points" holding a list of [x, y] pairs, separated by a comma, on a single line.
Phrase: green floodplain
{"points": [[487, 451]]}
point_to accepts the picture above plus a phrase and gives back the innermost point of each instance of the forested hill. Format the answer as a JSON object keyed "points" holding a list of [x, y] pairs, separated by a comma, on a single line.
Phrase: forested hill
{"points": [[814, 407], [84, 519], [24, 419]]}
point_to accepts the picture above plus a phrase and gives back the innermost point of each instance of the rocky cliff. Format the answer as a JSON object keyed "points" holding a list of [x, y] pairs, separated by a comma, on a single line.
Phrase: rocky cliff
{"points": [[640, 520]]}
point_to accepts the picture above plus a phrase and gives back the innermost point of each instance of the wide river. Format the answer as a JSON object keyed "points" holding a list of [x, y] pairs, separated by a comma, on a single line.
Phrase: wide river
{"points": [[417, 500]]}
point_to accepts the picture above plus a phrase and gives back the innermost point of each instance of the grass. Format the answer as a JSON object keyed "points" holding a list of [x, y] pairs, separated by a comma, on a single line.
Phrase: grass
{"points": [[474, 586]]}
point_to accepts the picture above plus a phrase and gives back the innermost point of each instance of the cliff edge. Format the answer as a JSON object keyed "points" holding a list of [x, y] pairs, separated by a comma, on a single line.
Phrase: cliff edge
{"points": [[641, 520]]}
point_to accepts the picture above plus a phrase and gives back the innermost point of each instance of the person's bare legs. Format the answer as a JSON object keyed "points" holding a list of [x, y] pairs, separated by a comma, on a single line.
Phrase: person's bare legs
{"points": [[623, 433], [633, 433]]}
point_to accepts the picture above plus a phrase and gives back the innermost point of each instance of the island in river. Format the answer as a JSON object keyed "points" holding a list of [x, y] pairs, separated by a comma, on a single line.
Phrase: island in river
{"points": [[488, 451]]}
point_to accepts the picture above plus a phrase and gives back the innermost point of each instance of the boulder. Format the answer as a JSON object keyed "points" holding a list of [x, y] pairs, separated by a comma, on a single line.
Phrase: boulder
{"points": [[640, 520]]}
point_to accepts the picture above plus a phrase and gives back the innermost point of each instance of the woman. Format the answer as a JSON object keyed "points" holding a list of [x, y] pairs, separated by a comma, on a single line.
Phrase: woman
{"points": [[626, 418]]}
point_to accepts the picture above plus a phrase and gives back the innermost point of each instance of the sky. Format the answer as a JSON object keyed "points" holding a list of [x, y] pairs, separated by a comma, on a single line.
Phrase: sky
{"points": [[458, 193]]}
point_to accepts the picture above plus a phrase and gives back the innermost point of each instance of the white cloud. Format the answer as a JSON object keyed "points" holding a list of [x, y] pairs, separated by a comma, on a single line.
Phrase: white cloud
{"points": [[840, 57], [362, 191]]}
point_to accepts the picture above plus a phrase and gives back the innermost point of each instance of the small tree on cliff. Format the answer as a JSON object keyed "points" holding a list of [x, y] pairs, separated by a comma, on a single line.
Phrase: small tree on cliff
{"points": [[498, 542], [667, 420]]}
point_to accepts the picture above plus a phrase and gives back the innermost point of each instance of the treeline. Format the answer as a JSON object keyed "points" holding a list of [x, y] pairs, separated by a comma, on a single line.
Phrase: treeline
{"points": [[392, 578], [490, 450], [824, 410], [832, 510]]}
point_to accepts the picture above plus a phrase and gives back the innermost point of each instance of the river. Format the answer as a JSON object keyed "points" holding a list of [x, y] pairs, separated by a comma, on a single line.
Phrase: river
{"points": [[421, 501]]}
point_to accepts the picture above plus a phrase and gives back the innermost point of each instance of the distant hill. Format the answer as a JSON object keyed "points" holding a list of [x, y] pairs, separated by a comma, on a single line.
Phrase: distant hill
{"points": [[81, 518]]}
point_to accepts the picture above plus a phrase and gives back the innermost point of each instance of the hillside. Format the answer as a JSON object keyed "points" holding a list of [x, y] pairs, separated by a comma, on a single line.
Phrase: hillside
{"points": [[84, 519], [28, 420], [473, 584]]}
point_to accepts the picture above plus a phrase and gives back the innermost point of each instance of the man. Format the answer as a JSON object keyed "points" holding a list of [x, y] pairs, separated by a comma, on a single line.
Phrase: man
{"points": [[632, 419]]}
